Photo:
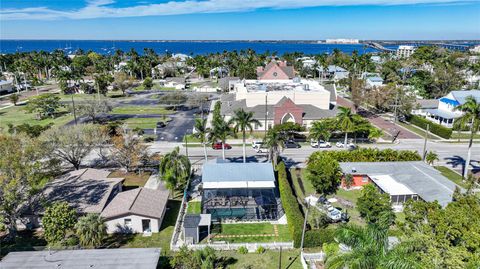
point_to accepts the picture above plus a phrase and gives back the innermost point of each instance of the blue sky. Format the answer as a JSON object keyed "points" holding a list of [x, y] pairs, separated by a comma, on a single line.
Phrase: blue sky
{"points": [[239, 19]]}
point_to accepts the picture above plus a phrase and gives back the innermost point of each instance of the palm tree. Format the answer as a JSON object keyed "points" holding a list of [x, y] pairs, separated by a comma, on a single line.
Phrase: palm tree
{"points": [[91, 230], [369, 249], [221, 130], [320, 130], [471, 117], [201, 133], [244, 121], [431, 157], [346, 121], [174, 169], [274, 141]]}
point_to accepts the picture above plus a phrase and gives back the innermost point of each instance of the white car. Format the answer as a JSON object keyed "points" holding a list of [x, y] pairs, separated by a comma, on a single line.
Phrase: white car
{"points": [[319, 144], [256, 144], [349, 145], [261, 149]]}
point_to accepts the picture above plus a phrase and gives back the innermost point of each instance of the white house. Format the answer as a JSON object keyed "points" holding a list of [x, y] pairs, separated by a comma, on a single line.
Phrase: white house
{"points": [[139, 210], [179, 83], [334, 72], [372, 80], [6, 86], [207, 87], [445, 113], [405, 51]]}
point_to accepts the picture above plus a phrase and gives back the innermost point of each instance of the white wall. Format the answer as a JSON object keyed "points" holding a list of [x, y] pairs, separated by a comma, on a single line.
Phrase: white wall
{"points": [[136, 224]]}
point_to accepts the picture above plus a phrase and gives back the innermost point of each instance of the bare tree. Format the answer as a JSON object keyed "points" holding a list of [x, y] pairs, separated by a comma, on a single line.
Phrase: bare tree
{"points": [[93, 108], [128, 150]]}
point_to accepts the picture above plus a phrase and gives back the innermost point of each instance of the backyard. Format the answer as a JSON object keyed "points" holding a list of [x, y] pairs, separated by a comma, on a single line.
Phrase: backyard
{"points": [[132, 179], [268, 259], [250, 233]]}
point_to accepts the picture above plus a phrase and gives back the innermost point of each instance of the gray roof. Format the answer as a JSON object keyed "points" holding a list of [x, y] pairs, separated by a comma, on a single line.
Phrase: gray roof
{"points": [[419, 177], [443, 113], [121, 258], [333, 93], [141, 201], [87, 190], [220, 171], [195, 220], [427, 103], [461, 96]]}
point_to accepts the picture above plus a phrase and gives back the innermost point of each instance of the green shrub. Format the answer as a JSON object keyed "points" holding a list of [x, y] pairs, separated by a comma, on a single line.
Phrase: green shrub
{"points": [[434, 128], [367, 155], [330, 249], [260, 250], [290, 205], [242, 250], [318, 237]]}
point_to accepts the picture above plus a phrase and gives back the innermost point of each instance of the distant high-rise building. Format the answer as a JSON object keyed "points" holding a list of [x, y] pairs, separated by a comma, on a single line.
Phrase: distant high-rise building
{"points": [[342, 41], [405, 51]]}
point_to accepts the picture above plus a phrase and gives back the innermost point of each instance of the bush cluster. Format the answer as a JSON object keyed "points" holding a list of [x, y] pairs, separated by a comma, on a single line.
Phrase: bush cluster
{"points": [[318, 237], [368, 155], [434, 128], [290, 205]]}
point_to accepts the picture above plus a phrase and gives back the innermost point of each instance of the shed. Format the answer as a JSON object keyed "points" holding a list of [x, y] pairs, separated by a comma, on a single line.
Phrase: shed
{"points": [[192, 226]]}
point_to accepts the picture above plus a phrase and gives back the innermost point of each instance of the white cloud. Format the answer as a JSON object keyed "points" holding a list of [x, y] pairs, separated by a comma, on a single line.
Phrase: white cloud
{"points": [[101, 8]]}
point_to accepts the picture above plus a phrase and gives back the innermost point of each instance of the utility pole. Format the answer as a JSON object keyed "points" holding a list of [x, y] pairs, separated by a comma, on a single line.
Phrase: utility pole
{"points": [[425, 143], [74, 113], [280, 259], [186, 144], [304, 228]]}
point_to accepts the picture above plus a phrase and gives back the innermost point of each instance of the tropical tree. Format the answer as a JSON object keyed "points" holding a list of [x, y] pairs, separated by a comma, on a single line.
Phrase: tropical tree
{"points": [[369, 249], [194, 259], [321, 130], [243, 121], [91, 230], [174, 169], [201, 133], [221, 130], [374, 206], [471, 118], [275, 142], [148, 83], [14, 98], [324, 173], [431, 157], [346, 121], [374, 133]]}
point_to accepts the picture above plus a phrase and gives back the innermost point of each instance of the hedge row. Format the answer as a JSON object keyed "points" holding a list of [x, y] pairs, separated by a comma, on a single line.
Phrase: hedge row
{"points": [[290, 205], [316, 238], [368, 155], [434, 128]]}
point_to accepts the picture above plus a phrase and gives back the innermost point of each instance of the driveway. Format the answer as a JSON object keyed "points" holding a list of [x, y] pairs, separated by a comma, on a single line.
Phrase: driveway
{"points": [[182, 123]]}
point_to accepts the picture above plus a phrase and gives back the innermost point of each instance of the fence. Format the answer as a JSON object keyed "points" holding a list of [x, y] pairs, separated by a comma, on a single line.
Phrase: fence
{"points": [[311, 258], [234, 246]]}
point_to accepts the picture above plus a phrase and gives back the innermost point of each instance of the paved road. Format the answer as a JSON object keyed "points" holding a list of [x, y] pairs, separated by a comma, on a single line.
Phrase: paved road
{"points": [[450, 154]]}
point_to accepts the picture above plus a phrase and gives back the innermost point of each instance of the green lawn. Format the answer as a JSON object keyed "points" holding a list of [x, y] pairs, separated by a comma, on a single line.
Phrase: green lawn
{"points": [[267, 260], [303, 187], [143, 123], [452, 175], [140, 110], [456, 135], [156, 86], [131, 178], [194, 207], [17, 115], [344, 199], [161, 239], [251, 229]]}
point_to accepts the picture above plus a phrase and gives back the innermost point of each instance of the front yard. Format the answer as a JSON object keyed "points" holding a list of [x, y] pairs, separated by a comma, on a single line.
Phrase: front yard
{"points": [[250, 233], [452, 175]]}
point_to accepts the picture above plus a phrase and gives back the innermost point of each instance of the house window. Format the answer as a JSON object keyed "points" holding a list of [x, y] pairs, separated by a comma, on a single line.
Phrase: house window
{"points": [[364, 179], [128, 222]]}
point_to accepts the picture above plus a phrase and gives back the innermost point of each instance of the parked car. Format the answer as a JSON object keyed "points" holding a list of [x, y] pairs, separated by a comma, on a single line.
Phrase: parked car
{"points": [[350, 146], [256, 144], [319, 144], [262, 149], [218, 145], [291, 144], [161, 124]]}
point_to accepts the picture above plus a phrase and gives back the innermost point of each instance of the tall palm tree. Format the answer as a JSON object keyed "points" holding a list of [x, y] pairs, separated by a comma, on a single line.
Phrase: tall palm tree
{"points": [[369, 249], [244, 121], [174, 169], [221, 130], [346, 121], [91, 230], [274, 141], [320, 130], [471, 117], [201, 133]]}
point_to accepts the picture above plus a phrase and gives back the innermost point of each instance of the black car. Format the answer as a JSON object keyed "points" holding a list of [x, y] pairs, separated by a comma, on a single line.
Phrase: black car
{"points": [[161, 124], [291, 144]]}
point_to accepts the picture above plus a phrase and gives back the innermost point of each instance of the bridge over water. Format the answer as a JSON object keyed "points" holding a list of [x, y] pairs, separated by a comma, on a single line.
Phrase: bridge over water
{"points": [[451, 46]]}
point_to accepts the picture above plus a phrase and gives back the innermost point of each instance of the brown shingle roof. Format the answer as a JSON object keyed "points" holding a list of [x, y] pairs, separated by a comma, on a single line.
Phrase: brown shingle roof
{"points": [[141, 201]]}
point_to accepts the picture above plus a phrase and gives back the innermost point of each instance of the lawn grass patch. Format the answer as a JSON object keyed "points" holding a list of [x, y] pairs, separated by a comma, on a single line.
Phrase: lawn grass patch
{"points": [[143, 123], [194, 207], [452, 175], [17, 115], [131, 178], [141, 110], [268, 259], [303, 187], [161, 239], [456, 135], [251, 233]]}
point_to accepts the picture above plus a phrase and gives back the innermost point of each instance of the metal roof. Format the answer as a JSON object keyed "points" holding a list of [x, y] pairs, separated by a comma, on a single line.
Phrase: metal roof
{"points": [[214, 171], [444, 113], [461, 96], [419, 177], [122, 258]]}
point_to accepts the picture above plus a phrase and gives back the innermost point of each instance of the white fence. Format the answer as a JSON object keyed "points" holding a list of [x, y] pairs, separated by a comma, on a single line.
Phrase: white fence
{"points": [[311, 258], [234, 246]]}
